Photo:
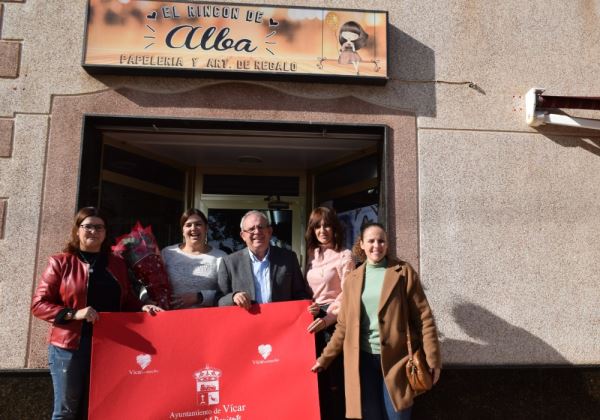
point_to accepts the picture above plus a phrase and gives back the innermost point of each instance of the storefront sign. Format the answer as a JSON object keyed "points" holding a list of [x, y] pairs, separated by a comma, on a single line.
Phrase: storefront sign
{"points": [[211, 364], [227, 40]]}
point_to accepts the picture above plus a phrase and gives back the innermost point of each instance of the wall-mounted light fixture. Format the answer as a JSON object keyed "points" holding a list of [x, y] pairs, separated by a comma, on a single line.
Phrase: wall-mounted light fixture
{"points": [[276, 203], [538, 106]]}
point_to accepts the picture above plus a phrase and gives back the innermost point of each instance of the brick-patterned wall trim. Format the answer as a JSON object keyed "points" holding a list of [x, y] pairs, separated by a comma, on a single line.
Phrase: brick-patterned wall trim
{"points": [[3, 202], [6, 137], [10, 56]]}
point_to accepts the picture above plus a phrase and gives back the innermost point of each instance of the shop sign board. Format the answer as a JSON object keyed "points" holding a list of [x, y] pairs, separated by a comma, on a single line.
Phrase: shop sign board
{"points": [[235, 40]]}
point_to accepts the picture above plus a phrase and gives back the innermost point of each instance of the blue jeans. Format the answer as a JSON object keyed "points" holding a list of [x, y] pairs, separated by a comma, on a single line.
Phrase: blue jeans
{"points": [[70, 370], [374, 397]]}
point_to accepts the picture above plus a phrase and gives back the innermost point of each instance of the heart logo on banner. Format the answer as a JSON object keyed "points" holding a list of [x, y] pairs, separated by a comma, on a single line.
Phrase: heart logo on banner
{"points": [[265, 350], [143, 360]]}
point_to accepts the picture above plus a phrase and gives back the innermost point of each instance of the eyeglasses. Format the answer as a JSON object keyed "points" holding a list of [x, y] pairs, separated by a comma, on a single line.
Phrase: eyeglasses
{"points": [[255, 228], [90, 227]]}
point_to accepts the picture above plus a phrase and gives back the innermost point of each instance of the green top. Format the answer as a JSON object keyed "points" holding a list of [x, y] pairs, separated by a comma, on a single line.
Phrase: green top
{"points": [[369, 322]]}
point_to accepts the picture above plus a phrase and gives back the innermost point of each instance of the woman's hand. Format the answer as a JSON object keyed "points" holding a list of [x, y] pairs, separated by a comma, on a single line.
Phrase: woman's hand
{"points": [[317, 367], [184, 300], [152, 309], [436, 372], [314, 309], [317, 325], [88, 314]]}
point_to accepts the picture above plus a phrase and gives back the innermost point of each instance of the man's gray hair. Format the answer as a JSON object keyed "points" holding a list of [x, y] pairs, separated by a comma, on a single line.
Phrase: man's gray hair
{"points": [[254, 212]]}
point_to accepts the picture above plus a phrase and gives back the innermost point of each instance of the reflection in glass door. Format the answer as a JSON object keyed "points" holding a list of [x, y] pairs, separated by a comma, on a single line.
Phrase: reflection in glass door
{"points": [[352, 188], [224, 228], [136, 187], [225, 213]]}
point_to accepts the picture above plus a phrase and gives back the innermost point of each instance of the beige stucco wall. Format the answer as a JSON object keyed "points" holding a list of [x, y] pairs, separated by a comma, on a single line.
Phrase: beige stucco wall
{"points": [[21, 179], [509, 215], [509, 245]]}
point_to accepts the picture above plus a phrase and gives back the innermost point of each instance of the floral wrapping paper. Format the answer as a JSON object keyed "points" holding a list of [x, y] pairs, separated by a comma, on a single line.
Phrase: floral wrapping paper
{"points": [[141, 253]]}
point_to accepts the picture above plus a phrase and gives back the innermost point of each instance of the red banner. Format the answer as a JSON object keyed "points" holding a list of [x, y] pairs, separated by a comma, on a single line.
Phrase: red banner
{"points": [[210, 364]]}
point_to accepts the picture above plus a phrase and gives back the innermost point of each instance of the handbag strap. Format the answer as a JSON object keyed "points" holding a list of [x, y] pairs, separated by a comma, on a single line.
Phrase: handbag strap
{"points": [[408, 341], [406, 314]]}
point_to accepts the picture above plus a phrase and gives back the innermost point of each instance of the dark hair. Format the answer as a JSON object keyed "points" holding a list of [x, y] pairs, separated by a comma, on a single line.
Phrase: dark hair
{"points": [[72, 246], [357, 251], [189, 213], [354, 27], [328, 217]]}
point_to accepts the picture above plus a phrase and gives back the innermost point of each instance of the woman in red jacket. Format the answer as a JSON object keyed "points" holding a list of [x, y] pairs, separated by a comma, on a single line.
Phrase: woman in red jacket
{"points": [[77, 284]]}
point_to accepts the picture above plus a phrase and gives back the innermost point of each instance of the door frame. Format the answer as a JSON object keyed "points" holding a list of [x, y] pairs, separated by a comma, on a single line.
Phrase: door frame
{"points": [[217, 101]]}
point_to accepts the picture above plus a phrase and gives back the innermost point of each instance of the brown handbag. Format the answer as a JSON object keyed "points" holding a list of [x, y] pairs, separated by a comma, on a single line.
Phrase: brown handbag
{"points": [[417, 370]]}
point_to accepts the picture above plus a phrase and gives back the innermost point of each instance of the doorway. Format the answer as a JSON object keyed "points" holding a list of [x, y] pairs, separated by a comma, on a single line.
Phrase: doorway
{"points": [[151, 169]]}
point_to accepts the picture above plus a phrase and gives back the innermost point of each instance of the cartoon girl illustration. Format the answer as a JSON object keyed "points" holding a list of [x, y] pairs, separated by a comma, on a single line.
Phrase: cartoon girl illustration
{"points": [[352, 38]]}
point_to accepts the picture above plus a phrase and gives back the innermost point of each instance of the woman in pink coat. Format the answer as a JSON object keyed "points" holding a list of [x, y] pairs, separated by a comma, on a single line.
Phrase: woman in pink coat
{"points": [[328, 265]]}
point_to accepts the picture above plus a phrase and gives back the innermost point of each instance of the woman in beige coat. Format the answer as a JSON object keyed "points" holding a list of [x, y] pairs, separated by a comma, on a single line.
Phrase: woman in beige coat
{"points": [[371, 330]]}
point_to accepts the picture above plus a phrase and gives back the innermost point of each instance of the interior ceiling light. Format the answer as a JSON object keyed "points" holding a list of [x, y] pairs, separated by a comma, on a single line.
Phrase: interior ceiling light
{"points": [[250, 159], [276, 203]]}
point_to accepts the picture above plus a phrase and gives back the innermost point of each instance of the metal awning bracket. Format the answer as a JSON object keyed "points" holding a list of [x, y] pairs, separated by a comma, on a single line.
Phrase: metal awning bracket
{"points": [[537, 116], [533, 116]]}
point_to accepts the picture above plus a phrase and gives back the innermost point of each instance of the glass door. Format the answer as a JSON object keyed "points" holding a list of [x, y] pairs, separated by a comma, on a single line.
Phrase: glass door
{"points": [[225, 213], [136, 186], [352, 187]]}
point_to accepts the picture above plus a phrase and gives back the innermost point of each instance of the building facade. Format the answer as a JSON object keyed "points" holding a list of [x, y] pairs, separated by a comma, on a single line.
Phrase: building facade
{"points": [[500, 219]]}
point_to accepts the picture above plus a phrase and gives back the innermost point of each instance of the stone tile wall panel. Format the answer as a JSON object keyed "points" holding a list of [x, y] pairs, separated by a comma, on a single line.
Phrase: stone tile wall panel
{"points": [[509, 245], [10, 53], [6, 137], [21, 180]]}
